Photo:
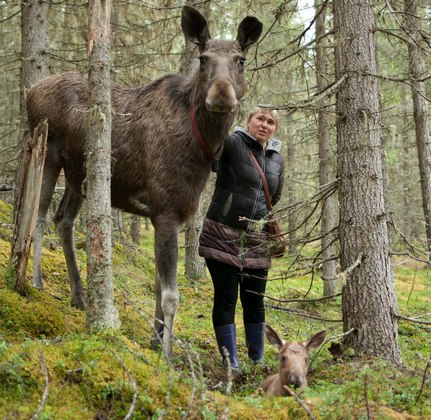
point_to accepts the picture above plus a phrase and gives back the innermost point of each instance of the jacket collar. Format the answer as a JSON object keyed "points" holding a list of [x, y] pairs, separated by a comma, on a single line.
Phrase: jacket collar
{"points": [[273, 145]]}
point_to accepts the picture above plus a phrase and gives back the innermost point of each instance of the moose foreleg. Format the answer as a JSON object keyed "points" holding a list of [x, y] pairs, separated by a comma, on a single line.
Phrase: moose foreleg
{"points": [[64, 219], [166, 253], [157, 338]]}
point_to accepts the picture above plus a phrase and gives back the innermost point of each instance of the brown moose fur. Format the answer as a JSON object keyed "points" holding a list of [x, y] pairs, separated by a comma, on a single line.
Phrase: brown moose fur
{"points": [[158, 168]]}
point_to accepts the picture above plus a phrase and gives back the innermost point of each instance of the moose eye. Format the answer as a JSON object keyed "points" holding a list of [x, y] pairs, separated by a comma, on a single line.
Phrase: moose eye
{"points": [[241, 62]]}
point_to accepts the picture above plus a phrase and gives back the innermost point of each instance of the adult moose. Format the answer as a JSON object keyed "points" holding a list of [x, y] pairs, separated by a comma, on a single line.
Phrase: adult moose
{"points": [[164, 136]]}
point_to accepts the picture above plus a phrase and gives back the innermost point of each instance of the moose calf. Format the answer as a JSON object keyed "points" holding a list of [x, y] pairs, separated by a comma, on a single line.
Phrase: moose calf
{"points": [[293, 362]]}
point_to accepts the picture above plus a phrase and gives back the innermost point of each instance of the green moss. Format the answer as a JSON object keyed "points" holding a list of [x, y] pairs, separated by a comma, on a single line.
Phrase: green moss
{"points": [[93, 375], [34, 315]]}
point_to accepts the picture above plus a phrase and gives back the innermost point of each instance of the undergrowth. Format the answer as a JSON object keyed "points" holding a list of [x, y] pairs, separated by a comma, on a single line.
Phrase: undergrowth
{"points": [[52, 369]]}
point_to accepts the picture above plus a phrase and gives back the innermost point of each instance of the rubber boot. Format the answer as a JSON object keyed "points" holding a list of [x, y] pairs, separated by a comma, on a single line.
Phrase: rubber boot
{"points": [[254, 338], [226, 337]]}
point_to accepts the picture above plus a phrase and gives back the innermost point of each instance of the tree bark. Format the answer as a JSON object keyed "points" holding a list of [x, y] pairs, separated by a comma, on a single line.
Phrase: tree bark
{"points": [[34, 67], [29, 194], [418, 72], [101, 311], [326, 172], [194, 264], [34, 47], [369, 303], [135, 228]]}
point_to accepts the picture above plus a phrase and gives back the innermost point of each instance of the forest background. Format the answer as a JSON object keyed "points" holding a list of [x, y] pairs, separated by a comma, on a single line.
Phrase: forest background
{"points": [[282, 71]]}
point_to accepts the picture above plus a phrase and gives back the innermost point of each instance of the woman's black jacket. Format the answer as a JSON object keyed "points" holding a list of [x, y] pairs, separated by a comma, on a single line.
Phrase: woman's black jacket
{"points": [[239, 195]]}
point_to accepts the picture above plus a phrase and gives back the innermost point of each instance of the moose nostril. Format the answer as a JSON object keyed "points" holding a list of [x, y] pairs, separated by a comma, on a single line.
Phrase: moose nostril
{"points": [[297, 385], [295, 381], [221, 96]]}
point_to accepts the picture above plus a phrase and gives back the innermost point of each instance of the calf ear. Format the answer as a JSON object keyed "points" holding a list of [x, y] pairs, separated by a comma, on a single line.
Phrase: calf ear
{"points": [[249, 31], [195, 27], [273, 336], [315, 341]]}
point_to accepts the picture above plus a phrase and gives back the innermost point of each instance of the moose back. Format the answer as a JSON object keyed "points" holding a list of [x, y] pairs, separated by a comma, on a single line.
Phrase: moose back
{"points": [[158, 167]]}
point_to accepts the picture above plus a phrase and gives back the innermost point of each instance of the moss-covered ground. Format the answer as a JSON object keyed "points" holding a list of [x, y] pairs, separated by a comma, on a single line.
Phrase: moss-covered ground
{"points": [[50, 368]]}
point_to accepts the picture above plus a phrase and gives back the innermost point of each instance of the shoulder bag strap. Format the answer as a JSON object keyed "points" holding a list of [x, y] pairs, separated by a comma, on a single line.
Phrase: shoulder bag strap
{"points": [[264, 181]]}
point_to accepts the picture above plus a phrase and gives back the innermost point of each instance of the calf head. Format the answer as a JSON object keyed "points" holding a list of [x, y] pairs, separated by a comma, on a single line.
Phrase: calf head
{"points": [[293, 357]]}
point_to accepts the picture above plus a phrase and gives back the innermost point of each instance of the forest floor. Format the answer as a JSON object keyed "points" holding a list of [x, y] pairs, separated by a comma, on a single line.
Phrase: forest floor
{"points": [[50, 368]]}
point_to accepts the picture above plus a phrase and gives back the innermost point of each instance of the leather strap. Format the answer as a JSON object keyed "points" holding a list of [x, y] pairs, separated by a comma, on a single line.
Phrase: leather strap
{"points": [[264, 181], [205, 148]]}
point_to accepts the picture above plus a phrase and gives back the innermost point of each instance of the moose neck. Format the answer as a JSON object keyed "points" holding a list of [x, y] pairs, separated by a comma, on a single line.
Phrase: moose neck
{"points": [[213, 126]]}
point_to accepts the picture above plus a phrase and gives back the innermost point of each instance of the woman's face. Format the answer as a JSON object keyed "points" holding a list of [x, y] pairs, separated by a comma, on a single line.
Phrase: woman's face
{"points": [[262, 126]]}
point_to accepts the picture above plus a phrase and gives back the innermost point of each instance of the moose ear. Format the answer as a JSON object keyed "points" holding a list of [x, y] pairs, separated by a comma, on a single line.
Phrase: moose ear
{"points": [[273, 336], [195, 27], [316, 340], [249, 31]]}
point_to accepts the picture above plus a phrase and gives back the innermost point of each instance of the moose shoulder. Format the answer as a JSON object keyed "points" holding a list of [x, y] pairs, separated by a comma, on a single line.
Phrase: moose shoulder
{"points": [[158, 167]]}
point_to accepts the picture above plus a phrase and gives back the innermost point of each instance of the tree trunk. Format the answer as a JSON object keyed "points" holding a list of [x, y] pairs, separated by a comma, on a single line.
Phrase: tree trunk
{"points": [[34, 47], [29, 194], [326, 172], [135, 228], [101, 311], [291, 187], [418, 73], [194, 264], [369, 302], [34, 66]]}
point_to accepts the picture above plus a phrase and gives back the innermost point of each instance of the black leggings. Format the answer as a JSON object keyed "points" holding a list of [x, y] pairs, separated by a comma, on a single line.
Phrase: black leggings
{"points": [[226, 279]]}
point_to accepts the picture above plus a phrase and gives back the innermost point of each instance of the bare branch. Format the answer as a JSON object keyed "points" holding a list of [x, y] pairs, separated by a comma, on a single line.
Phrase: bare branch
{"points": [[328, 91], [304, 314], [367, 404], [297, 51], [348, 270], [415, 320], [328, 339], [46, 390], [300, 402], [294, 300], [132, 381], [424, 379]]}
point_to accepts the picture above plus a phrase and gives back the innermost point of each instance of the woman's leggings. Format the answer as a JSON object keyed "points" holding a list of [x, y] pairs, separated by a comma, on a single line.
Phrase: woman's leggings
{"points": [[226, 279]]}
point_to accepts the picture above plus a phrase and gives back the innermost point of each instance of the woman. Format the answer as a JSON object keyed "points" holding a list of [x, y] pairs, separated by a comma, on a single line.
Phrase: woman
{"points": [[231, 241]]}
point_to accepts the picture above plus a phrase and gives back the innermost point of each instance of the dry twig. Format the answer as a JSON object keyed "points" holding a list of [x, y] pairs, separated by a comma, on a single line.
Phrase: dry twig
{"points": [[46, 390], [300, 402], [424, 379], [132, 381]]}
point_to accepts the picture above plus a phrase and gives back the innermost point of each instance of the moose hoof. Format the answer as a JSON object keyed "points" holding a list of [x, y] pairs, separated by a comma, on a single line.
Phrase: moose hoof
{"points": [[79, 302], [156, 342]]}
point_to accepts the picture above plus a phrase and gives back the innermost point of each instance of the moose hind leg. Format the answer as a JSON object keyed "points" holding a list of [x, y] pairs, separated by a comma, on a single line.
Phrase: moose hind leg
{"points": [[64, 219], [166, 253], [50, 175]]}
